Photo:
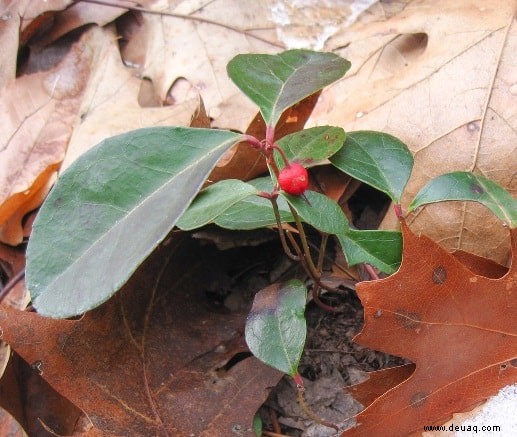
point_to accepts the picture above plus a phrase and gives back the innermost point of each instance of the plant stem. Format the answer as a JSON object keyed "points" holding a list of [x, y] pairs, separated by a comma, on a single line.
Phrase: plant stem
{"points": [[371, 271], [306, 250], [282, 154], [323, 247], [306, 260], [307, 410], [281, 233], [254, 142]]}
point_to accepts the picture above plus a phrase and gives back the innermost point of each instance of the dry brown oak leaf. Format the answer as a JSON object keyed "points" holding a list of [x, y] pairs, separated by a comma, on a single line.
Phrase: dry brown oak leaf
{"points": [[458, 327], [156, 359]]}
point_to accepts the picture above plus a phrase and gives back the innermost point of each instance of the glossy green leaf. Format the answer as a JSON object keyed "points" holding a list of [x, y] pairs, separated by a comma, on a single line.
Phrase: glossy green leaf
{"points": [[461, 185], [319, 211], [213, 201], [110, 209], [310, 146], [378, 159], [277, 82], [254, 212], [381, 249], [276, 328]]}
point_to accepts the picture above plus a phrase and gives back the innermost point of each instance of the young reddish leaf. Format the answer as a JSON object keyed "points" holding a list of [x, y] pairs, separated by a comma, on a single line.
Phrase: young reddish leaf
{"points": [[154, 359], [457, 327], [276, 327], [462, 185], [276, 82]]}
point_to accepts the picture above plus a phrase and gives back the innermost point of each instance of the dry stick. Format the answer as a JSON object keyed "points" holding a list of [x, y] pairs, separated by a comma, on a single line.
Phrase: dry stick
{"points": [[185, 17], [10, 285], [274, 421], [309, 412]]}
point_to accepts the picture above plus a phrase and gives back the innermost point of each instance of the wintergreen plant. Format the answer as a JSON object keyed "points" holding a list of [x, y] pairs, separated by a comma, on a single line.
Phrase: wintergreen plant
{"points": [[112, 207]]}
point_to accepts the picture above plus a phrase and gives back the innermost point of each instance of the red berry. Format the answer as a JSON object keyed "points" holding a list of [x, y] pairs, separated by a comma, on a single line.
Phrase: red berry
{"points": [[294, 179]]}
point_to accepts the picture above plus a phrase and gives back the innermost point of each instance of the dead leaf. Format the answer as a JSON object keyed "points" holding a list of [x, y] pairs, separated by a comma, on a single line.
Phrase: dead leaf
{"points": [[379, 382], [442, 78], [38, 408], [198, 50], [19, 21], [456, 326], [38, 115], [110, 105], [157, 358], [82, 13]]}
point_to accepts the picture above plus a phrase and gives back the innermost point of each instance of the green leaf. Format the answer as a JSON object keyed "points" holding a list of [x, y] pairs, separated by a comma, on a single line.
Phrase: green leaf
{"points": [[213, 201], [319, 211], [378, 159], [381, 249], [257, 425], [310, 146], [277, 82], [276, 328], [254, 212], [110, 209], [461, 185]]}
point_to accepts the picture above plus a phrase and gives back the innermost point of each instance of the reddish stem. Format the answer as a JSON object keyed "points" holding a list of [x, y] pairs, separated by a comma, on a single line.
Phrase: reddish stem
{"points": [[254, 142], [398, 210], [298, 380], [371, 271], [270, 134]]}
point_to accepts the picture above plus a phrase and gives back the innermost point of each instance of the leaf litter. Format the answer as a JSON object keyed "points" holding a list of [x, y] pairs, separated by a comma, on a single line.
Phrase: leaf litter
{"points": [[388, 53]]}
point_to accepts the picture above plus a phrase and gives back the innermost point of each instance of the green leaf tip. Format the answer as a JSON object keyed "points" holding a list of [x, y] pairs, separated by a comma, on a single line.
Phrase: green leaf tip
{"points": [[466, 186], [277, 82]]}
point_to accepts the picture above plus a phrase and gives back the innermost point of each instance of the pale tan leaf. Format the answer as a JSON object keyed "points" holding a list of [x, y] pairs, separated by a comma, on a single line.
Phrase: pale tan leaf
{"points": [[442, 76], [195, 51], [37, 113], [111, 107]]}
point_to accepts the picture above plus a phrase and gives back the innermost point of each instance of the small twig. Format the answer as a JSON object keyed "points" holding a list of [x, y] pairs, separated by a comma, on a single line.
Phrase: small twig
{"points": [[309, 412], [11, 283], [305, 246], [274, 421], [185, 17], [316, 298]]}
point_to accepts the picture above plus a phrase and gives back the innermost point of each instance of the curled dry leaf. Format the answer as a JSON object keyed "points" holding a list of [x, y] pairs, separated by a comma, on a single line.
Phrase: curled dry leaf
{"points": [[38, 114], [158, 358], [441, 77], [457, 326]]}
